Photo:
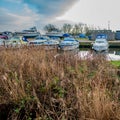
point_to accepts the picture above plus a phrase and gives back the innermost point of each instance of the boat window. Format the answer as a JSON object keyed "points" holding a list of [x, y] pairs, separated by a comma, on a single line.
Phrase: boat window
{"points": [[39, 42], [69, 40], [41, 38], [100, 41]]}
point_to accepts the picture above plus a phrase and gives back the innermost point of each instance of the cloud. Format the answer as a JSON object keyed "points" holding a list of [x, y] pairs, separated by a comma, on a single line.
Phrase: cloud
{"points": [[33, 13], [13, 21], [52, 8]]}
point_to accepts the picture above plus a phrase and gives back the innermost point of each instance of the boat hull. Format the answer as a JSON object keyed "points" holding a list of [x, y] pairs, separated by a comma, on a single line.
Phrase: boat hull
{"points": [[100, 48], [68, 47]]}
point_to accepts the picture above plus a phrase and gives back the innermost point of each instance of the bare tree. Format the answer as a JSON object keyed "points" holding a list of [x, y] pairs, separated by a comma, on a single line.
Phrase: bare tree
{"points": [[81, 27], [67, 28], [50, 27], [77, 29], [89, 29]]}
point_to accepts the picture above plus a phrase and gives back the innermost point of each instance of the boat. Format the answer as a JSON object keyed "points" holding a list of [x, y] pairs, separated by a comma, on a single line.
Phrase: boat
{"points": [[16, 41], [100, 44], [69, 43], [2, 42], [38, 41], [55, 34], [51, 44], [3, 37], [8, 34], [30, 33]]}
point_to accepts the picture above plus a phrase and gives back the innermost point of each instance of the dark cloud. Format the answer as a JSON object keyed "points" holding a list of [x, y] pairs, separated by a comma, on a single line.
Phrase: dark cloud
{"points": [[51, 7]]}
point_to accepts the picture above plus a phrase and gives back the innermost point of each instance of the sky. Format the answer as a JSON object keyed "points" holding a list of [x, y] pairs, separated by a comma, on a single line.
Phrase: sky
{"points": [[16, 15]]}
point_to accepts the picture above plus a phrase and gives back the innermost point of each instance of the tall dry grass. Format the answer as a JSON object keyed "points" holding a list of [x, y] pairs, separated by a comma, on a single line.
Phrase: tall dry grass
{"points": [[36, 85]]}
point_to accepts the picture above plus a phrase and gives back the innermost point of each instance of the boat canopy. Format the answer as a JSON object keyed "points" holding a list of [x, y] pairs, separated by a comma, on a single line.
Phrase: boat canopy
{"points": [[82, 35], [66, 35], [103, 36]]}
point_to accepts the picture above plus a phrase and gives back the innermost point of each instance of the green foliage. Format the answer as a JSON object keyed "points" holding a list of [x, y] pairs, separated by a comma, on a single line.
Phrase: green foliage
{"points": [[91, 74], [20, 106], [115, 63]]}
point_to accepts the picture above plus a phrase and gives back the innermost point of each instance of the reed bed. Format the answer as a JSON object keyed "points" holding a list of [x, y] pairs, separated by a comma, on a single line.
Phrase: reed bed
{"points": [[36, 85]]}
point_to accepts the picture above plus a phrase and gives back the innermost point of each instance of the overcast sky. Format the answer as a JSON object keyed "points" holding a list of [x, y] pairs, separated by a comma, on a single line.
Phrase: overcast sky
{"points": [[23, 14]]}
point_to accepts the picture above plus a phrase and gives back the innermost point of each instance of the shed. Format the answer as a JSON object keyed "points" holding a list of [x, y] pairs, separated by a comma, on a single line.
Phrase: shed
{"points": [[117, 35]]}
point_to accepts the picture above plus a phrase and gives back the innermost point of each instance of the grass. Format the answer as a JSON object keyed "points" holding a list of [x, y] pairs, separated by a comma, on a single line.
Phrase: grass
{"points": [[36, 85], [115, 63]]}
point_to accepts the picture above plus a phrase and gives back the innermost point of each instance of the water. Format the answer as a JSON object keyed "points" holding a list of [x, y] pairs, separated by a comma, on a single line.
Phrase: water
{"points": [[114, 51], [111, 54]]}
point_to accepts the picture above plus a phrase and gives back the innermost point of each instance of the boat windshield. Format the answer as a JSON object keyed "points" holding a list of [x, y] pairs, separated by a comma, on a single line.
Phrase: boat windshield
{"points": [[69, 39], [100, 41]]}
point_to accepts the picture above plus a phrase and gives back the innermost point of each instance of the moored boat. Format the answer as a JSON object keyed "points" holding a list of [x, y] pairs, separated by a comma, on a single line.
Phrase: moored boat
{"points": [[38, 41], [69, 43], [100, 45], [16, 41], [51, 44], [30, 33]]}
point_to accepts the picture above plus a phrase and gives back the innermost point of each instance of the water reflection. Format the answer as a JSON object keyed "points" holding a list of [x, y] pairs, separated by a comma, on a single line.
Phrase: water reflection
{"points": [[114, 51], [111, 54]]}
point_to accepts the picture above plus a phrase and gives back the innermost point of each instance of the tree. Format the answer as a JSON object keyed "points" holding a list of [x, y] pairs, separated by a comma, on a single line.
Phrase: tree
{"points": [[50, 27], [89, 29], [67, 28], [86, 29], [81, 27], [77, 29]]}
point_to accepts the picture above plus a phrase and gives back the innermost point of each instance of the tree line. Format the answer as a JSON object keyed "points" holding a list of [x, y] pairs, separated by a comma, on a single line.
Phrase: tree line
{"points": [[71, 29]]}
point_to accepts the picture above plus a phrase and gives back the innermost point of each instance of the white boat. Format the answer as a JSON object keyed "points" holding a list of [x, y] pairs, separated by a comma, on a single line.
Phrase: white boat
{"points": [[51, 44], [56, 33], [16, 41], [30, 33], [100, 45], [69, 44], [38, 40]]}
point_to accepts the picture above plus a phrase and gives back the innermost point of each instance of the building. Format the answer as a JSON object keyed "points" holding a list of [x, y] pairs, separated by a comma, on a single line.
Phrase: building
{"points": [[110, 35], [117, 35]]}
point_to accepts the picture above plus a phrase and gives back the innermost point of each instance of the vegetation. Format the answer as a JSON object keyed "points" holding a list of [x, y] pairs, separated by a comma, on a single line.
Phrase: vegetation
{"points": [[50, 28], [116, 63], [36, 84], [74, 29], [67, 28]]}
